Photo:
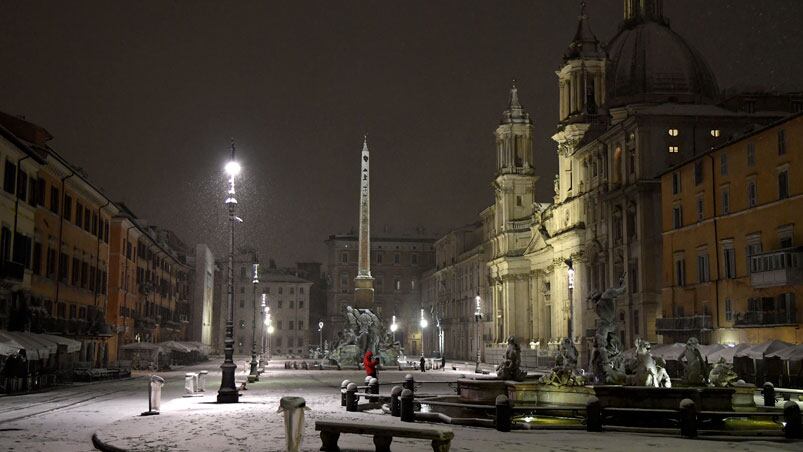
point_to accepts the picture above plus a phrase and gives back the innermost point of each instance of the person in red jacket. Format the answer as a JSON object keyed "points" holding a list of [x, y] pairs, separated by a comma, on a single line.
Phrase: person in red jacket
{"points": [[370, 363]]}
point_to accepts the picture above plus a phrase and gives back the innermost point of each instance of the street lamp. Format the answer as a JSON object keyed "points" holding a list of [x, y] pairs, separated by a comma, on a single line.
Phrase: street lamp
{"points": [[228, 391], [265, 309], [270, 333], [393, 328], [254, 374], [423, 324], [570, 284], [320, 331], [477, 320]]}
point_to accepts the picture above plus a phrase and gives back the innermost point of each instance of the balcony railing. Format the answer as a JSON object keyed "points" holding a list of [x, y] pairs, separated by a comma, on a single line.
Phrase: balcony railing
{"points": [[12, 271], [764, 318], [777, 268], [693, 323], [518, 225]]}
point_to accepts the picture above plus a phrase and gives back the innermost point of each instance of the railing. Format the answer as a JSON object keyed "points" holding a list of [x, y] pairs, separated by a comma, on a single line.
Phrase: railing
{"points": [[12, 270], [759, 318], [518, 225], [693, 323], [777, 268]]}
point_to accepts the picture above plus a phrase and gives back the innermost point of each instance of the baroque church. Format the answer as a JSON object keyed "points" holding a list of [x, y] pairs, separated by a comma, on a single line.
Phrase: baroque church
{"points": [[629, 109]]}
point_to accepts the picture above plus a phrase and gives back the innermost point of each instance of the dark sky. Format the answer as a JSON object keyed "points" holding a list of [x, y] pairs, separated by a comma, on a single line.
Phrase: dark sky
{"points": [[145, 95]]}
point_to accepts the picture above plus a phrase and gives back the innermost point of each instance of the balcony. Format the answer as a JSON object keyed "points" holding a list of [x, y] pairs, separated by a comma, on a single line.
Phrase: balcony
{"points": [[683, 324], [777, 268], [766, 318], [518, 225], [12, 271]]}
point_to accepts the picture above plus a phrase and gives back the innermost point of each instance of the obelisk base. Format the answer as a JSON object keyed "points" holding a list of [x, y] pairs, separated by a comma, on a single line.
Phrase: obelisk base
{"points": [[364, 292]]}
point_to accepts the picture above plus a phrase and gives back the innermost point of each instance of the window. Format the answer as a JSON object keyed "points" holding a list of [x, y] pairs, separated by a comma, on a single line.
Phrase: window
{"points": [[397, 258], [5, 244], [700, 208], [680, 270], [676, 187], [753, 247], [242, 272], [379, 258], [291, 304], [729, 260], [728, 310], [242, 302], [54, 200], [397, 284], [633, 276], [751, 193], [280, 290], [785, 235], [279, 325], [751, 154], [702, 268], [726, 201], [673, 149], [301, 290], [723, 164], [414, 259], [518, 201], [280, 304], [300, 304], [635, 321], [87, 215], [76, 271], [344, 258], [673, 132], [79, 214], [783, 184], [781, 142], [698, 172], [68, 207], [300, 324], [715, 133], [10, 177], [344, 282], [22, 185], [292, 290], [289, 324], [37, 258], [677, 217]]}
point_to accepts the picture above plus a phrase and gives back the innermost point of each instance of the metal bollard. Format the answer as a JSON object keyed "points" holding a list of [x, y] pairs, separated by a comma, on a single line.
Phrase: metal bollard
{"points": [[154, 395], [791, 416], [593, 415], [304, 365], [768, 391], [293, 409], [351, 397], [409, 382], [343, 392], [367, 380], [504, 414], [191, 384], [688, 419], [202, 380], [395, 403], [406, 412], [373, 386]]}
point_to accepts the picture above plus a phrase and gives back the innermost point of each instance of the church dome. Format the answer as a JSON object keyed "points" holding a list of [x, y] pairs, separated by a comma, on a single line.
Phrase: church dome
{"points": [[648, 62]]}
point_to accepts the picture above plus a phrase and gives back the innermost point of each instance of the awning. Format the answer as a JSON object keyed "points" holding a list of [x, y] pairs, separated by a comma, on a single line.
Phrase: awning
{"points": [[175, 346], [36, 346], [761, 350], [8, 345], [669, 352], [707, 350], [142, 346], [726, 353], [793, 353], [71, 344]]}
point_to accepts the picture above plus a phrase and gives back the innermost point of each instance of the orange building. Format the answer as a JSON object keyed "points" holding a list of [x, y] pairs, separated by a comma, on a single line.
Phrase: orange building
{"points": [[732, 236]]}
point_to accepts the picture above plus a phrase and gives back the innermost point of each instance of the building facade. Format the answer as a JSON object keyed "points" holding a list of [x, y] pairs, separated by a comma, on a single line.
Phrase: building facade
{"points": [[397, 264], [732, 256]]}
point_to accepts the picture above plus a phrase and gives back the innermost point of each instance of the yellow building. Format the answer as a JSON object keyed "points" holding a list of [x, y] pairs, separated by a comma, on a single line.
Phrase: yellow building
{"points": [[732, 233]]}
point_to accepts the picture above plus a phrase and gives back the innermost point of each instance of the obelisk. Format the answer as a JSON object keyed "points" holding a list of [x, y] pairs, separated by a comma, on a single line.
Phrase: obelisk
{"points": [[364, 282]]}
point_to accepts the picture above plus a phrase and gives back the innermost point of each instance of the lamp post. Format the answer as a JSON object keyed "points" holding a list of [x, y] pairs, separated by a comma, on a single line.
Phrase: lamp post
{"points": [[228, 391], [254, 372], [477, 320], [264, 322], [393, 328], [570, 284], [423, 324], [270, 333], [320, 332]]}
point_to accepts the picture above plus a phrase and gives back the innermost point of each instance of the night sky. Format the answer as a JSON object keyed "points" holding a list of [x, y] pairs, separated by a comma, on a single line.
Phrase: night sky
{"points": [[145, 96]]}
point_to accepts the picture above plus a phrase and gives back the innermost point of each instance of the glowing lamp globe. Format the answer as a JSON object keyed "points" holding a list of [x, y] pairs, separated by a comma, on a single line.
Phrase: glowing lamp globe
{"points": [[393, 327], [424, 323], [232, 168]]}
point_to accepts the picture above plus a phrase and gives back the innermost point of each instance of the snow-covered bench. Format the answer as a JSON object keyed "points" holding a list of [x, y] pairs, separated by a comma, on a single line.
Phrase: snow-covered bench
{"points": [[383, 433]]}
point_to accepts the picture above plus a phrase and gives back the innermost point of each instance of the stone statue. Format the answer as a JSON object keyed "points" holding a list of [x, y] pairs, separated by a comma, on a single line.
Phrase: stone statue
{"points": [[722, 375], [607, 365], [694, 374], [510, 368], [364, 332], [662, 378], [646, 371], [565, 372]]}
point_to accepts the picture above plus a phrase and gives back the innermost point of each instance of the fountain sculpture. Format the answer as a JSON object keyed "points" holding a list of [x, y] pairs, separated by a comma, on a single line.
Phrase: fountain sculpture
{"points": [[364, 332]]}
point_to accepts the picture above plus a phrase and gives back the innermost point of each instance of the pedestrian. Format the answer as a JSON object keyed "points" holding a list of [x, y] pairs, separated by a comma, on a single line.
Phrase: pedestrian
{"points": [[423, 364], [370, 363], [443, 362]]}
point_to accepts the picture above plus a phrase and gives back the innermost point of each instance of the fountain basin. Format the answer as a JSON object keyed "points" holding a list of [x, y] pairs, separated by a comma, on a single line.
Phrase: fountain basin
{"points": [[705, 398]]}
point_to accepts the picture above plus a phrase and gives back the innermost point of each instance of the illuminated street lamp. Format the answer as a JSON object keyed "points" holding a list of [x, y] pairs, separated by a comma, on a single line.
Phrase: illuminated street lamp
{"points": [[254, 373], [570, 285], [477, 320], [320, 331], [393, 327], [265, 309], [228, 391], [423, 324], [270, 331]]}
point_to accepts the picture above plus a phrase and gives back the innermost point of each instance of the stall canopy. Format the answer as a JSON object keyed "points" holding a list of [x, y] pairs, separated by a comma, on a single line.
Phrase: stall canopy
{"points": [[143, 346], [793, 353], [71, 345], [176, 346], [36, 346], [707, 350], [761, 350], [727, 352], [669, 352]]}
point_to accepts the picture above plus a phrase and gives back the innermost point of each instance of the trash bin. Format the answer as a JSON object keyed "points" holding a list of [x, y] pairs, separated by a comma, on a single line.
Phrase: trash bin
{"points": [[190, 384], [154, 395], [202, 380], [293, 409]]}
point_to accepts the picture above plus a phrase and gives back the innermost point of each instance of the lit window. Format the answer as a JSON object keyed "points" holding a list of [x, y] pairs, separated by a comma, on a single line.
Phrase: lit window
{"points": [[673, 149], [673, 132], [715, 133]]}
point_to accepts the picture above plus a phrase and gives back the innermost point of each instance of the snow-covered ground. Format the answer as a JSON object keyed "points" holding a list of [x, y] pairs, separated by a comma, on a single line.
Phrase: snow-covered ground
{"points": [[64, 420]]}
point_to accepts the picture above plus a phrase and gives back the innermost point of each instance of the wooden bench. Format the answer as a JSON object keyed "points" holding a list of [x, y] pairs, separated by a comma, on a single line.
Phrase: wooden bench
{"points": [[383, 434]]}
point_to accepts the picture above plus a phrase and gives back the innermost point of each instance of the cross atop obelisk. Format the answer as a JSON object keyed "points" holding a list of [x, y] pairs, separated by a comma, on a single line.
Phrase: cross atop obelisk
{"points": [[364, 282]]}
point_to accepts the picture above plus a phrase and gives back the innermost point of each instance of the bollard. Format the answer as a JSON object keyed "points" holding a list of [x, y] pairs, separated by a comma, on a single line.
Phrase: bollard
{"points": [[343, 392], [409, 382], [373, 386], [688, 419], [202, 380], [154, 395], [367, 380], [293, 409], [351, 397], [768, 391], [406, 412], [295, 365], [504, 414], [593, 415], [395, 403], [191, 384], [304, 365], [791, 416]]}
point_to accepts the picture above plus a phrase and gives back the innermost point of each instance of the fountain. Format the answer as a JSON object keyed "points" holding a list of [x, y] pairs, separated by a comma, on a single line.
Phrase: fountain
{"points": [[364, 332]]}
